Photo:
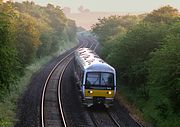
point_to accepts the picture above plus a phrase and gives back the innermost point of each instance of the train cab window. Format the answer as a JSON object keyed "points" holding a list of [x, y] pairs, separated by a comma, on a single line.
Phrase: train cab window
{"points": [[107, 79], [93, 79], [100, 79]]}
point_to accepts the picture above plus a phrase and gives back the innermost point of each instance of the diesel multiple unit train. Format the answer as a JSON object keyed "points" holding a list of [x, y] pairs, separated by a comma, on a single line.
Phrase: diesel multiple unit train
{"points": [[96, 79]]}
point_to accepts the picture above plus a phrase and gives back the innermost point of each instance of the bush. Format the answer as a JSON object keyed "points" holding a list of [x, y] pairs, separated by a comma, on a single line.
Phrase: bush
{"points": [[146, 57]]}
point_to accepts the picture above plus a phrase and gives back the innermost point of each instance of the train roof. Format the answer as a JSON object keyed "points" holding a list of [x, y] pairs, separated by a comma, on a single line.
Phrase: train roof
{"points": [[90, 61]]}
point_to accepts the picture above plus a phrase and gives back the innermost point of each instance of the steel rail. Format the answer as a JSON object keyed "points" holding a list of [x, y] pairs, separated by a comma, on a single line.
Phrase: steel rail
{"points": [[91, 46], [91, 114], [113, 119], [59, 92], [135, 120], [93, 119], [46, 82], [96, 46]]}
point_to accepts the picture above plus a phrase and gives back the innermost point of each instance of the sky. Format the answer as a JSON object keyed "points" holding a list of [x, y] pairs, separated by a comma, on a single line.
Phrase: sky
{"points": [[87, 12], [128, 6]]}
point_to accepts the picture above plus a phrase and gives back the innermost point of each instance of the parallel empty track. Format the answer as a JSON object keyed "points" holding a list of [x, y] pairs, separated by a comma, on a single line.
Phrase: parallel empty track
{"points": [[50, 110]]}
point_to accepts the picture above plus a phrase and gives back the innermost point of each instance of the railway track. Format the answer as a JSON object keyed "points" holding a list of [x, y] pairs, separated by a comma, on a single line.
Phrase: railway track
{"points": [[110, 116], [103, 118], [52, 111], [107, 114], [54, 86], [60, 97], [49, 105], [113, 119]]}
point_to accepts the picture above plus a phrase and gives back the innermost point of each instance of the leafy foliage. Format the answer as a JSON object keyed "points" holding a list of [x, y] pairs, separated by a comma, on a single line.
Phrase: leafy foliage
{"points": [[164, 69], [146, 55], [163, 81], [54, 28], [108, 29], [166, 14], [110, 26], [135, 48], [7, 49], [27, 39], [29, 31]]}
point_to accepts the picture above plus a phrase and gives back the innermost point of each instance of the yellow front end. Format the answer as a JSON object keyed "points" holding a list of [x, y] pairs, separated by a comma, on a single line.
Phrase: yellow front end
{"points": [[92, 97], [99, 93]]}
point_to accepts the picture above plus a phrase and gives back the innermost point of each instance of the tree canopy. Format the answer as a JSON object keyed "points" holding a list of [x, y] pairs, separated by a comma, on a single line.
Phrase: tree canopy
{"points": [[146, 56], [28, 32]]}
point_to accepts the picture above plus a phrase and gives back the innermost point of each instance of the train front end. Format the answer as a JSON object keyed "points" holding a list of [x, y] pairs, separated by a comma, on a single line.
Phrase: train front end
{"points": [[99, 86]]}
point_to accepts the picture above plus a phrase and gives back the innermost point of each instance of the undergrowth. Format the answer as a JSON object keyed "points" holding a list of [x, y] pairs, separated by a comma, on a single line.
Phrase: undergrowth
{"points": [[145, 111], [8, 106]]}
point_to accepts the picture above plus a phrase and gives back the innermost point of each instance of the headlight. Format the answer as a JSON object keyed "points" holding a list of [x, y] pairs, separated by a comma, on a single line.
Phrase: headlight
{"points": [[90, 92], [109, 92]]}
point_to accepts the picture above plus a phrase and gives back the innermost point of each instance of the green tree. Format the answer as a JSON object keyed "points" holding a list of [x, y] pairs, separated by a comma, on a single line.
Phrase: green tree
{"points": [[131, 52], [54, 28], [164, 81], [71, 30], [112, 25], [45, 45], [9, 62], [28, 31], [57, 19], [108, 29], [146, 57], [165, 68], [166, 14], [27, 38]]}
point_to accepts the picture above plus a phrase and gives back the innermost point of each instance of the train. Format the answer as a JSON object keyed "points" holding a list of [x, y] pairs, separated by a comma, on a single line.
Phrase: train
{"points": [[95, 78]]}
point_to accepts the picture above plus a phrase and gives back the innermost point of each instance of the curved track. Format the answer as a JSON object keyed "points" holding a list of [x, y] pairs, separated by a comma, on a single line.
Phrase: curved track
{"points": [[57, 100], [49, 105], [52, 98], [52, 113], [60, 97]]}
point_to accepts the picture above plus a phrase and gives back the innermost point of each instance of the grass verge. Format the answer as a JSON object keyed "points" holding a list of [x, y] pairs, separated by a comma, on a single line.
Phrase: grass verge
{"points": [[8, 107], [144, 111], [133, 110]]}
